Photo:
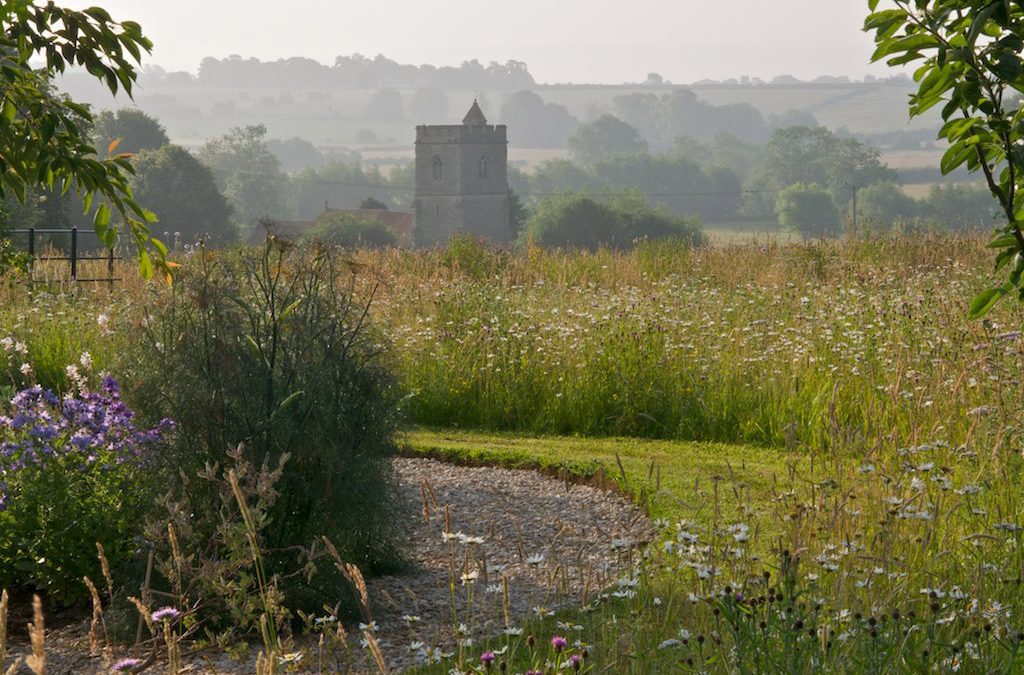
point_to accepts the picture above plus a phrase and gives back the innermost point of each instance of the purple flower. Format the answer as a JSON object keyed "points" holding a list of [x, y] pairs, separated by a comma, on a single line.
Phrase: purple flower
{"points": [[559, 643], [166, 614], [125, 665], [577, 661], [487, 658]]}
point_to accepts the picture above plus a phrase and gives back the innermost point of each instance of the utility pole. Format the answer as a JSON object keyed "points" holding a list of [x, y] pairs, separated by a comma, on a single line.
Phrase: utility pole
{"points": [[855, 188]]}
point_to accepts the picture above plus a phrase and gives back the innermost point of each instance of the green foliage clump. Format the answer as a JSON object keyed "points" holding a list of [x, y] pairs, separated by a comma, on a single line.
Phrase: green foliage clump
{"points": [[584, 221], [970, 56], [72, 475], [886, 203], [133, 131], [43, 137], [11, 259], [248, 174], [349, 231], [961, 207], [673, 181], [184, 195], [807, 209], [605, 136], [269, 348]]}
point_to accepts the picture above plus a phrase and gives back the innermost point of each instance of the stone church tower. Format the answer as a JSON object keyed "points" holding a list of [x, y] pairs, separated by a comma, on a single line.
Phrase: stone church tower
{"points": [[461, 181]]}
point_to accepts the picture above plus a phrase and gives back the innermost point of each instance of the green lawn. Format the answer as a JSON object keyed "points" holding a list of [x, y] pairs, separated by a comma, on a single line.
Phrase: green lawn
{"points": [[673, 479]]}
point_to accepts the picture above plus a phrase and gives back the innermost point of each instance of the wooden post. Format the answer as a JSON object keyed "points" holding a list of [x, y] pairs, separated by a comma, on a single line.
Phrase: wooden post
{"points": [[110, 267]]}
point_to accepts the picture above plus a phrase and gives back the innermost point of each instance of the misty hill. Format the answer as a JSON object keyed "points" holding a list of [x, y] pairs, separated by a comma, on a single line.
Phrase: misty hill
{"points": [[372, 105]]}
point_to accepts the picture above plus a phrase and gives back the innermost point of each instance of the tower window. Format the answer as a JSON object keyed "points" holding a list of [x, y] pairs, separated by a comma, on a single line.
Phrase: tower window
{"points": [[484, 169], [438, 168]]}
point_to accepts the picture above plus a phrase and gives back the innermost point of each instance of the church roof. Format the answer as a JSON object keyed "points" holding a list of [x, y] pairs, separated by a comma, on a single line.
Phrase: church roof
{"points": [[475, 116]]}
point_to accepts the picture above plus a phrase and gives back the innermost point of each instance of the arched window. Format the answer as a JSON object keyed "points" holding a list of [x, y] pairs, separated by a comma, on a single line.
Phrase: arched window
{"points": [[438, 168], [483, 168]]}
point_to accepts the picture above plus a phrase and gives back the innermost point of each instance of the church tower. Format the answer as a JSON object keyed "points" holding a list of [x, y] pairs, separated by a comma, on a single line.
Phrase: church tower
{"points": [[461, 181]]}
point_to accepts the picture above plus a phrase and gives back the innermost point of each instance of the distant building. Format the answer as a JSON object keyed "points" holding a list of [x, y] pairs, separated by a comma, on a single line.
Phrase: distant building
{"points": [[461, 181]]}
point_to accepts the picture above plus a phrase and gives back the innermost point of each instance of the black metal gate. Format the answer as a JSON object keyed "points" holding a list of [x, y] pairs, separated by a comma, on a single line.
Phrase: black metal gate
{"points": [[74, 257]]}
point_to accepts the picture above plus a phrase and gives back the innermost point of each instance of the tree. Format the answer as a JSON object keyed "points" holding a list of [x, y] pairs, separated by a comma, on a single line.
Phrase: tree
{"points": [[518, 214], [536, 124], [961, 207], [807, 209], [662, 119], [183, 193], [385, 106], [338, 185], [373, 204], [42, 141], [584, 221], [816, 155], [970, 54], [429, 105], [133, 130], [349, 231], [886, 204], [295, 154], [247, 173], [605, 136]]}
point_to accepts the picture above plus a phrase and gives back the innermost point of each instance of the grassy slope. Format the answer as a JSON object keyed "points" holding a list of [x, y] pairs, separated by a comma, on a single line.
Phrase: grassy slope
{"points": [[673, 479]]}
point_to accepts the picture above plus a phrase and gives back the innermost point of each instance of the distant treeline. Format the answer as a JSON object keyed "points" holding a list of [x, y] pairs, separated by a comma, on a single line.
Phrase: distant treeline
{"points": [[803, 177], [355, 71]]}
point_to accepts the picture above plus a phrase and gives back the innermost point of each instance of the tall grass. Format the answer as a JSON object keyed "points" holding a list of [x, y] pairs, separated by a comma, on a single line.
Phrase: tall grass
{"points": [[764, 344]]}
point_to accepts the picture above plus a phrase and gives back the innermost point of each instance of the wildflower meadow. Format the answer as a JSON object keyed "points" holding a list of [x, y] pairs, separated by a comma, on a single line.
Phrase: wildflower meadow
{"points": [[825, 445]]}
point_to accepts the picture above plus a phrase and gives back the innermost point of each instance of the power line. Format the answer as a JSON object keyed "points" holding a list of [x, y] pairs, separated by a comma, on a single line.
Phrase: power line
{"points": [[412, 188]]}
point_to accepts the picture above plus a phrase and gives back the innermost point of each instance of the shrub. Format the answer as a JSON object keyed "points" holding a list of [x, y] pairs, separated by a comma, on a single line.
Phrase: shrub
{"points": [[808, 210], [69, 478], [885, 204], [347, 231], [271, 349], [12, 259], [583, 221]]}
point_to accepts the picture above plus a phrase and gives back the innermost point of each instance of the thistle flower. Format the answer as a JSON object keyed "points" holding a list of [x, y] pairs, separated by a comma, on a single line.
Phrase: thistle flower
{"points": [[487, 658], [166, 614], [126, 665], [559, 643]]}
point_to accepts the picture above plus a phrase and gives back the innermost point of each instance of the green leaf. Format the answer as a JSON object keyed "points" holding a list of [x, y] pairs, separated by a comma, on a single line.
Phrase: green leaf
{"points": [[985, 301], [1003, 241], [102, 217], [980, 20]]}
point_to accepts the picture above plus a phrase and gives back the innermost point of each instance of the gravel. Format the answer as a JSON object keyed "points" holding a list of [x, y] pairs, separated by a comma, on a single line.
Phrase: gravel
{"points": [[474, 535]]}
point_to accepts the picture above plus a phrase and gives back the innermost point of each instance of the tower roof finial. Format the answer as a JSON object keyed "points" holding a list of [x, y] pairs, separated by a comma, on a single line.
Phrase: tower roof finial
{"points": [[475, 116]]}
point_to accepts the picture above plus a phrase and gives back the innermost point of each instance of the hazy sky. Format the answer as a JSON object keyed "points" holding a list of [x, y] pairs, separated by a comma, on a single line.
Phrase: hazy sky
{"points": [[561, 40]]}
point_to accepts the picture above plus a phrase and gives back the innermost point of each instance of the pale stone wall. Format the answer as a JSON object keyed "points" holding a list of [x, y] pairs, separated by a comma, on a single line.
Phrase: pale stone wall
{"points": [[467, 196]]}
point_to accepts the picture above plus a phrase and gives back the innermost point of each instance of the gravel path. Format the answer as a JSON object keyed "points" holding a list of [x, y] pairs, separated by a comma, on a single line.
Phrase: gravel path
{"points": [[548, 541], [479, 535]]}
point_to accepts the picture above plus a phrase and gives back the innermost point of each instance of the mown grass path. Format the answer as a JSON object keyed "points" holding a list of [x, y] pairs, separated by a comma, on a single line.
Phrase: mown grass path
{"points": [[672, 479]]}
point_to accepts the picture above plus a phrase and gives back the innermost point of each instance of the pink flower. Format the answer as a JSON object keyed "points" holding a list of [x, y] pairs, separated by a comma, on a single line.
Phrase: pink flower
{"points": [[559, 643]]}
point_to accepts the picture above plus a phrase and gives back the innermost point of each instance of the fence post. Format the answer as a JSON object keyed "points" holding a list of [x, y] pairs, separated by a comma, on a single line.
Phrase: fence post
{"points": [[110, 267], [74, 253], [31, 256]]}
